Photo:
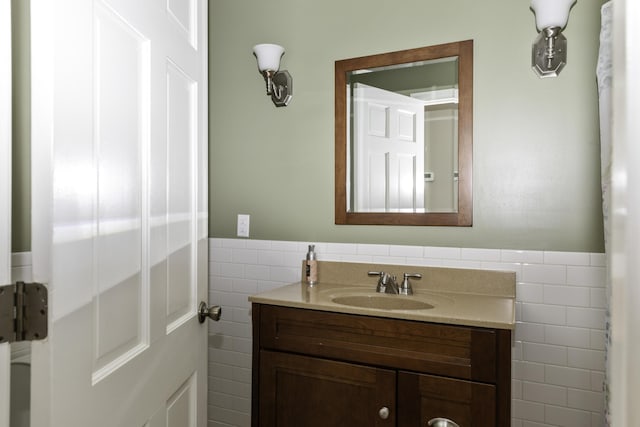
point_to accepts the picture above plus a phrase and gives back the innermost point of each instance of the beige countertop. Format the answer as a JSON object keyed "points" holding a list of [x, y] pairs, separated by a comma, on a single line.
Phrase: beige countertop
{"points": [[460, 297]]}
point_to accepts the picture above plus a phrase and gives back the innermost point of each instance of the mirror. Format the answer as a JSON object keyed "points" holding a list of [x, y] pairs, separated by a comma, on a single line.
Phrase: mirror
{"points": [[403, 137]]}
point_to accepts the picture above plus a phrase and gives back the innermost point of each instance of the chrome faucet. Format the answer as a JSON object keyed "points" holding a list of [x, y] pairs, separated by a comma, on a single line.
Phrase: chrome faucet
{"points": [[387, 283]]}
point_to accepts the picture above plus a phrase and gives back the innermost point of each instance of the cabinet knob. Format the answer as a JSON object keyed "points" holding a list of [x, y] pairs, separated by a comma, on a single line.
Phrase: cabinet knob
{"points": [[384, 412], [441, 422]]}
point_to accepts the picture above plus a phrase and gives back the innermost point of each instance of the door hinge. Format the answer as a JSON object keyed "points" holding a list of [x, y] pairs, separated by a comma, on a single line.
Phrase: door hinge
{"points": [[23, 312]]}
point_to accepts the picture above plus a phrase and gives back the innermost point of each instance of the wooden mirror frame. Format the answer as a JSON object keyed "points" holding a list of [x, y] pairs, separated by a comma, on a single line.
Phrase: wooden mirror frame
{"points": [[464, 217]]}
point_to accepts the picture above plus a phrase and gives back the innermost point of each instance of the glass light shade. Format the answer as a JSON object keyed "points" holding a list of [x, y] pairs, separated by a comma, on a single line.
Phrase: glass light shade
{"points": [[551, 13], [268, 56]]}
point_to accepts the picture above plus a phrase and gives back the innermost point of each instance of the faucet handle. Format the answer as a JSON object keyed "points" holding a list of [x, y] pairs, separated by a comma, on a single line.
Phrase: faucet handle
{"points": [[405, 288], [384, 277], [383, 281]]}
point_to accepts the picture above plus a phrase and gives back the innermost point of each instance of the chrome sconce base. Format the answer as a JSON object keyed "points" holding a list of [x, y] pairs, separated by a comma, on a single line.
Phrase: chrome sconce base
{"points": [[280, 87], [549, 52]]}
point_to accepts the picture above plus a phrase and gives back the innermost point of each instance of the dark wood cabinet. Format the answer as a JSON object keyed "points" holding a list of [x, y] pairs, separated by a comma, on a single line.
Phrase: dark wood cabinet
{"points": [[317, 368], [300, 391]]}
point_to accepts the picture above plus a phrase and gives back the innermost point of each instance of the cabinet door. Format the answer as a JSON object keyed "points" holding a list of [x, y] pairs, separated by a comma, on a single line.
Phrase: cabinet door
{"points": [[425, 397], [304, 391]]}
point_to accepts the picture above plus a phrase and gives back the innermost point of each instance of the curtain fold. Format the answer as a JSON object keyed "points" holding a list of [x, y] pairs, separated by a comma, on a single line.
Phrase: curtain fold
{"points": [[604, 77]]}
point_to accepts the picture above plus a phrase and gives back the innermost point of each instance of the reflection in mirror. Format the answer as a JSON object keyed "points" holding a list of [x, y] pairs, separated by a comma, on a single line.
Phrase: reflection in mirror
{"points": [[403, 137], [403, 134]]}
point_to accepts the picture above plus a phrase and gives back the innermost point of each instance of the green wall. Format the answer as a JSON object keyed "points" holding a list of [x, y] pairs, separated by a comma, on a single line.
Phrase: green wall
{"points": [[21, 123], [536, 144]]}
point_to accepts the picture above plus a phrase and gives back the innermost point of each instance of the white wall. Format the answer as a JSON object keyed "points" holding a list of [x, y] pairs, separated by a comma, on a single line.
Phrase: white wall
{"points": [[625, 210], [558, 352]]}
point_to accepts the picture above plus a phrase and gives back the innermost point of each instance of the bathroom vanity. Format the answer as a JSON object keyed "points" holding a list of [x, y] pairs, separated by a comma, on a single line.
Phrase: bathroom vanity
{"points": [[317, 362]]}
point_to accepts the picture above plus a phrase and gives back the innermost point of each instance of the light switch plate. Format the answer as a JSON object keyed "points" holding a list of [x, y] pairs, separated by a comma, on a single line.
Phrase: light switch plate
{"points": [[243, 225]]}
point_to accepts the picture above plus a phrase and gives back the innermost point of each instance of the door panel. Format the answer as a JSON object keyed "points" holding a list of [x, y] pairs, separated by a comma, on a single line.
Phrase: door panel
{"points": [[183, 12], [181, 145], [120, 89], [181, 406], [5, 193], [119, 155]]}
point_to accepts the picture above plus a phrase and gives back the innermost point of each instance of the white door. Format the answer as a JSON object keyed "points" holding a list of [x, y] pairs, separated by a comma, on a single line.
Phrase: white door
{"points": [[5, 191], [119, 211], [388, 151]]}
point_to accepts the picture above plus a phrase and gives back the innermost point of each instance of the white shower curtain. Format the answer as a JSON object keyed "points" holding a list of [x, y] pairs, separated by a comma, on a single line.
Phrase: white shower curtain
{"points": [[604, 75]]}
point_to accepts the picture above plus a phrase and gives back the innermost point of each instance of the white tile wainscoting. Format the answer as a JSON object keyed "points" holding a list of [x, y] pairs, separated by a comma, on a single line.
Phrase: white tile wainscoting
{"points": [[558, 350]]}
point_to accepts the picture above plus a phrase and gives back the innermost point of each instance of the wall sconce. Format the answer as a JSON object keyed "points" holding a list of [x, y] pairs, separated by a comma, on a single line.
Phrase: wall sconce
{"points": [[549, 50], [279, 83]]}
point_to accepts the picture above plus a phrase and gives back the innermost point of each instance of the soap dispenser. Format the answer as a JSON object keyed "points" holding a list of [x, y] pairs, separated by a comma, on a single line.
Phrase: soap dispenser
{"points": [[311, 266]]}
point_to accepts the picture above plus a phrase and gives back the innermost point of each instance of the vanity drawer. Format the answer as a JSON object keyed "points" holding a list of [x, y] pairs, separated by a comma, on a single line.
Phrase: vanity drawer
{"points": [[448, 350]]}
